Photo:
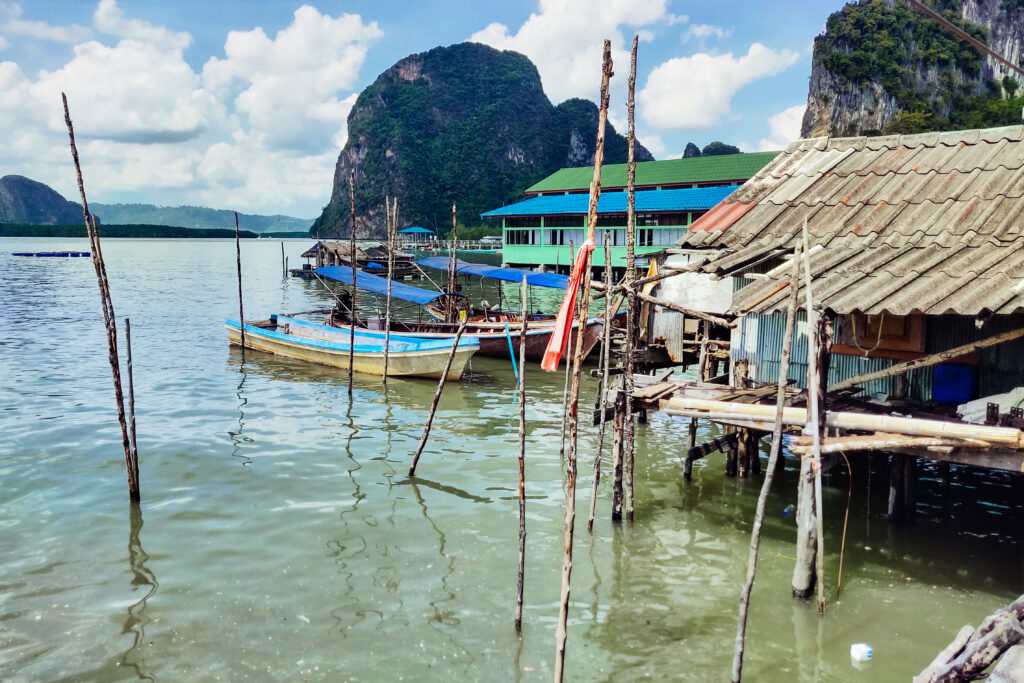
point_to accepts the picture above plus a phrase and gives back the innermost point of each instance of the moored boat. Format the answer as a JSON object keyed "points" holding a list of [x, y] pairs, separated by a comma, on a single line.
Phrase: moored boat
{"points": [[407, 356]]}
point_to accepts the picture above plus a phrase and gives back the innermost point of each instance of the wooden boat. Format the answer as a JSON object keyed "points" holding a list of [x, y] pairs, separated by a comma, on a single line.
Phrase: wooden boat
{"points": [[407, 356], [488, 329]]}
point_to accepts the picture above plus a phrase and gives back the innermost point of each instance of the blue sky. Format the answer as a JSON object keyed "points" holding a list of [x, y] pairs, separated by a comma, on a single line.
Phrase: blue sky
{"points": [[241, 104]]}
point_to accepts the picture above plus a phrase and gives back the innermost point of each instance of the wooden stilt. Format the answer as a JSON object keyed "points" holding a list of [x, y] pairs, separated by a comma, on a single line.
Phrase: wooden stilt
{"points": [[629, 436], [107, 304], [618, 429], [774, 457], [131, 402], [691, 441], [897, 470], [909, 486], [284, 262], [577, 367], [437, 397], [391, 226], [522, 458], [238, 263], [352, 261], [602, 386]]}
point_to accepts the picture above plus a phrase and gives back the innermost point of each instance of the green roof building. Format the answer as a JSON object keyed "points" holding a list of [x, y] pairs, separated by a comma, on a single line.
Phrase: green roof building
{"points": [[670, 195]]}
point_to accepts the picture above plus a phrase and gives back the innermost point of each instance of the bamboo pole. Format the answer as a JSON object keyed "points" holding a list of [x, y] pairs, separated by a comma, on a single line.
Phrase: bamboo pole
{"points": [[437, 397], [522, 459], [284, 263], [238, 264], [391, 226], [773, 457], [131, 401], [689, 312], [602, 385], [570, 492], [450, 301], [107, 305], [352, 262], [629, 436], [568, 368], [817, 381]]}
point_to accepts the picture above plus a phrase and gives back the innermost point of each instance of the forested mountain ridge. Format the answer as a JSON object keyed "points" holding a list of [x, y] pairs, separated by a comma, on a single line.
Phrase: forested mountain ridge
{"points": [[882, 67], [23, 200], [464, 124]]}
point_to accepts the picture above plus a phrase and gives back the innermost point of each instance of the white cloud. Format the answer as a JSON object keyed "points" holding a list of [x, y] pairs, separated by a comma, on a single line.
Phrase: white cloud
{"points": [[696, 92], [565, 41], [784, 128], [11, 23], [290, 85], [704, 31], [258, 129], [109, 19]]}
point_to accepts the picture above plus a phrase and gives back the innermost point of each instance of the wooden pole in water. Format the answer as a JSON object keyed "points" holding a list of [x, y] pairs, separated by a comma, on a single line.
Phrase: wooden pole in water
{"points": [[577, 367], [437, 397], [389, 219], [352, 261], [522, 459], [238, 264], [568, 368], [131, 401], [107, 305], [773, 457], [450, 302], [602, 387], [284, 262], [629, 437]]}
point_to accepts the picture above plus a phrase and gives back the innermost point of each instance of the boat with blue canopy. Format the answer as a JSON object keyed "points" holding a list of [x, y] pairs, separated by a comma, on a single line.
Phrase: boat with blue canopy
{"points": [[326, 345]]}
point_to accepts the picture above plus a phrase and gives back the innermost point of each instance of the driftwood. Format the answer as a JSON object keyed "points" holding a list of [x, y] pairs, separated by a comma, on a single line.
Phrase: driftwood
{"points": [[437, 397], [352, 261], [927, 361], [762, 500], [522, 459], [577, 367], [973, 651], [107, 304]]}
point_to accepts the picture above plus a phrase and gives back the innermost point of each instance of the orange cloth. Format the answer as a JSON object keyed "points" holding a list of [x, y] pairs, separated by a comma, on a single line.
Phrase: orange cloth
{"points": [[559, 340]]}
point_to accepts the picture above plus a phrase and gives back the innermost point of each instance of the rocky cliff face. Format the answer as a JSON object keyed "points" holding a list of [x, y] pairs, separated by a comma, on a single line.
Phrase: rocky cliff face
{"points": [[879, 58], [465, 124], [27, 201]]}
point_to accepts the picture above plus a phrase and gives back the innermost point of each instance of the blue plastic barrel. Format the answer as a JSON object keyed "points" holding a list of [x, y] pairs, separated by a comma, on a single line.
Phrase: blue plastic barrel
{"points": [[954, 383]]}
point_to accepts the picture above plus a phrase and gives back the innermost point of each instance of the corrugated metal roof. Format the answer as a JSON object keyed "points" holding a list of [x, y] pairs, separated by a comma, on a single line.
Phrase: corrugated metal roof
{"points": [[930, 223], [736, 167], [688, 199]]}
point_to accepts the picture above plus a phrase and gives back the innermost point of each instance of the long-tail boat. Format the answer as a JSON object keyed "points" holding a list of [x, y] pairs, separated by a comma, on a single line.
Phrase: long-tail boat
{"points": [[495, 330], [407, 356]]}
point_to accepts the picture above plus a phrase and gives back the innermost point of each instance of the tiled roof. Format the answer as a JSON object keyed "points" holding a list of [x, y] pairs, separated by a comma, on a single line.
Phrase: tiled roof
{"points": [[930, 223], [736, 167], [688, 199]]}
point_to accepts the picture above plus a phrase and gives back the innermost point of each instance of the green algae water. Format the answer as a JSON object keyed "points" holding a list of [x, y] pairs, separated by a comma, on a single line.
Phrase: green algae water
{"points": [[280, 538]]}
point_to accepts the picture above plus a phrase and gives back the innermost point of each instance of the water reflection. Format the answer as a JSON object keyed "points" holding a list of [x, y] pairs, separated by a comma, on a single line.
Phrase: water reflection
{"points": [[236, 437], [142, 578]]}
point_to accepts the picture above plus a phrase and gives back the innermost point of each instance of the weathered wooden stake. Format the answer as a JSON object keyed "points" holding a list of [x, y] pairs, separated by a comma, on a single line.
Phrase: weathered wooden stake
{"points": [[629, 437], [352, 261], [618, 429], [238, 264], [107, 305], [437, 397], [284, 262], [602, 385], [577, 367], [131, 401], [773, 458], [522, 458], [390, 223], [450, 301], [568, 368]]}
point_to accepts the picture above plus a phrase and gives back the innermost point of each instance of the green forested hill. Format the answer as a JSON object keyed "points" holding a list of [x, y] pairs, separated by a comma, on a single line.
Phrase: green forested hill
{"points": [[465, 124], [881, 67]]}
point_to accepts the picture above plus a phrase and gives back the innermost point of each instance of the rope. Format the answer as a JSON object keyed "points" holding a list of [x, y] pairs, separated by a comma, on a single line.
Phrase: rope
{"points": [[846, 518], [878, 341]]}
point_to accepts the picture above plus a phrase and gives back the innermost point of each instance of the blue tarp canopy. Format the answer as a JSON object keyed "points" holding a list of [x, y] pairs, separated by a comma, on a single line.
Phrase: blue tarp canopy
{"points": [[552, 280], [417, 230], [379, 285]]}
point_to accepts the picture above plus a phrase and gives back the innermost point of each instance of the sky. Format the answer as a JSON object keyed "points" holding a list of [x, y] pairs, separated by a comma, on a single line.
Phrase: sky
{"points": [[242, 104]]}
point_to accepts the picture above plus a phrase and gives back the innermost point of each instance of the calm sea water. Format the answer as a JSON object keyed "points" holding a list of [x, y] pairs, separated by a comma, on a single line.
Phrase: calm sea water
{"points": [[279, 537]]}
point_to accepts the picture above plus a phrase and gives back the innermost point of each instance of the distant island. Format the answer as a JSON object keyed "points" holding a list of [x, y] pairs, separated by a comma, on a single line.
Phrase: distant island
{"points": [[137, 230]]}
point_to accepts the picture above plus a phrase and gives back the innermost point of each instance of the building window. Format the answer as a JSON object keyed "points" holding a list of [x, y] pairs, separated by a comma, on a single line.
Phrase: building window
{"points": [[520, 236], [611, 220], [563, 221], [672, 219], [647, 219], [645, 237], [523, 222]]}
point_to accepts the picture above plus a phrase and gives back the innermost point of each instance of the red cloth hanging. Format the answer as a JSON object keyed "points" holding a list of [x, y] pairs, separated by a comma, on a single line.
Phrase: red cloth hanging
{"points": [[559, 340]]}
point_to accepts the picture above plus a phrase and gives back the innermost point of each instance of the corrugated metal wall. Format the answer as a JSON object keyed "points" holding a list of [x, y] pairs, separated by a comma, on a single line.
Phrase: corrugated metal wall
{"points": [[1001, 368]]}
